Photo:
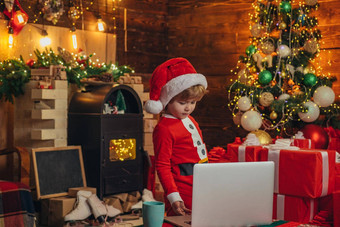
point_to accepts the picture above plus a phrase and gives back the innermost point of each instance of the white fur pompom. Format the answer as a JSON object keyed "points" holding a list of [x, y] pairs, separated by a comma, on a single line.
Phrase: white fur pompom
{"points": [[153, 107]]}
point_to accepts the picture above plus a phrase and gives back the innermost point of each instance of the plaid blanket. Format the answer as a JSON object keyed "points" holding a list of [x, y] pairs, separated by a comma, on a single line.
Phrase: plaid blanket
{"points": [[16, 205]]}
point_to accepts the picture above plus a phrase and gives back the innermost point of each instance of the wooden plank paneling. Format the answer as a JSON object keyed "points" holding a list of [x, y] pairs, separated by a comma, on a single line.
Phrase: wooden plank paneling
{"points": [[213, 34]]}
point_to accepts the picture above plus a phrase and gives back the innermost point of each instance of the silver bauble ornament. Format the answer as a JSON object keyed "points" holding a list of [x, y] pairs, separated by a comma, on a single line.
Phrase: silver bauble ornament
{"points": [[312, 113], [244, 103], [283, 51], [251, 120], [324, 96]]}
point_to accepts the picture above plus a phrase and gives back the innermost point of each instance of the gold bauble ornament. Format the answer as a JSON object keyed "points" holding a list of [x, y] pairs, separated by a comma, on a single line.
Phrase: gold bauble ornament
{"points": [[255, 30], [273, 115], [311, 46], [266, 98], [263, 137], [73, 14], [267, 46], [282, 25]]}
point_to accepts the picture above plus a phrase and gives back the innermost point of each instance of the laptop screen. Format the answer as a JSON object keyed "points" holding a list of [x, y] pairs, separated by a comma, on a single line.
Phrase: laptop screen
{"points": [[232, 194]]}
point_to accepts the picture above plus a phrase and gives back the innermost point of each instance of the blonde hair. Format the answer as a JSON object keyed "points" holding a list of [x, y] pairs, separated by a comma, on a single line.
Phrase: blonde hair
{"points": [[195, 92]]}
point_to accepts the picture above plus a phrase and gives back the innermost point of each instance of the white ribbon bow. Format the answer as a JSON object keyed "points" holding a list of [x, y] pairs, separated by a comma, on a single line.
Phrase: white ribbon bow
{"points": [[252, 140]]}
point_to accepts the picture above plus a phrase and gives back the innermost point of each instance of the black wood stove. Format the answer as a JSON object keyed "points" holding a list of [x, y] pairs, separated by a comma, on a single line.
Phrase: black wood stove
{"points": [[111, 141]]}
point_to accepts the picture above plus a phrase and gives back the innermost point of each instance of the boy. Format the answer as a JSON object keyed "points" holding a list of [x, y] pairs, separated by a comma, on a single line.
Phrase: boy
{"points": [[175, 87]]}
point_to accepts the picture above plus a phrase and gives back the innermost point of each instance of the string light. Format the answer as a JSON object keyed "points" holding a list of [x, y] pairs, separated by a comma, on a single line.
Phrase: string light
{"points": [[74, 37], [100, 24], [10, 37], [45, 40]]}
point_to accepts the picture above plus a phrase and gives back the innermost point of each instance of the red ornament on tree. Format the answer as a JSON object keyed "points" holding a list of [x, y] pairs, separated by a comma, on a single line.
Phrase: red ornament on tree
{"points": [[317, 134], [30, 63]]}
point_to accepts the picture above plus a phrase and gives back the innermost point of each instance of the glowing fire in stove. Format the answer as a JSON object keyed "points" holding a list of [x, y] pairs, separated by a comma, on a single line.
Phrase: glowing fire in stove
{"points": [[122, 149]]}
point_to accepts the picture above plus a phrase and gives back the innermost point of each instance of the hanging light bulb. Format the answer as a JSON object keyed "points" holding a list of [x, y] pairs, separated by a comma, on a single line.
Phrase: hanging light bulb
{"points": [[10, 37], [74, 38], [100, 24], [20, 18], [45, 40]]}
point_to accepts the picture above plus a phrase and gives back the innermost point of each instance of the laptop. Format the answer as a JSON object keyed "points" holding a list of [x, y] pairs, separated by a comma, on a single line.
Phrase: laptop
{"points": [[230, 194]]}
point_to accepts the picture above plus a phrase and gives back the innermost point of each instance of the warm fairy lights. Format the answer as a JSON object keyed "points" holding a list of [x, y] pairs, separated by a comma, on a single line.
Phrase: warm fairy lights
{"points": [[75, 11], [280, 59]]}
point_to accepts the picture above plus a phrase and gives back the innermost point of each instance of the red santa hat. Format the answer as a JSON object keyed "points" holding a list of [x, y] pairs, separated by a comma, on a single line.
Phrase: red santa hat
{"points": [[168, 80]]}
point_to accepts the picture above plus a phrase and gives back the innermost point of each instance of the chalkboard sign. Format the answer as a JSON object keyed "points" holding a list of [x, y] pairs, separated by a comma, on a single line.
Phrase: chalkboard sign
{"points": [[57, 169]]}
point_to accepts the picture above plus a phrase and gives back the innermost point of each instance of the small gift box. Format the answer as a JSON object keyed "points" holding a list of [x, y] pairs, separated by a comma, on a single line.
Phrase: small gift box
{"points": [[303, 143], [242, 153], [305, 173], [291, 208], [300, 141], [248, 151]]}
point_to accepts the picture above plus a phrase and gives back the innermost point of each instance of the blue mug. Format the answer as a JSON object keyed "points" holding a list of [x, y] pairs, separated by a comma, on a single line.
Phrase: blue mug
{"points": [[153, 213]]}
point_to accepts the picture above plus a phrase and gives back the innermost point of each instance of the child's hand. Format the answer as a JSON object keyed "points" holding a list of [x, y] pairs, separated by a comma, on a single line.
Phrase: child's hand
{"points": [[179, 208]]}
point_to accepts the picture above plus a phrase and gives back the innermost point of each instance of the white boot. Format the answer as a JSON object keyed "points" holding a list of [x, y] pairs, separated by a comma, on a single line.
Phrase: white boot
{"points": [[111, 211], [98, 208], [82, 210], [147, 195]]}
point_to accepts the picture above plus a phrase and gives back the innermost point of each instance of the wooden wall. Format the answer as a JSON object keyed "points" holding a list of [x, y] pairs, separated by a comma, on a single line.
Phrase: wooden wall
{"points": [[212, 34]]}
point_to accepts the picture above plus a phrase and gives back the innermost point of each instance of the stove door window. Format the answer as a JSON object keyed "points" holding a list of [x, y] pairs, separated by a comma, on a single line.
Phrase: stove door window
{"points": [[122, 149]]}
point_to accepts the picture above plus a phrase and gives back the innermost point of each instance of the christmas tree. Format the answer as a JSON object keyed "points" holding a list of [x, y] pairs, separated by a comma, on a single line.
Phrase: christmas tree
{"points": [[280, 85]]}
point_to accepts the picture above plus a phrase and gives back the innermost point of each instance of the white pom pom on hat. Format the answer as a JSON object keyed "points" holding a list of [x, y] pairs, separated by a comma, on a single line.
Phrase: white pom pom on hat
{"points": [[168, 80]]}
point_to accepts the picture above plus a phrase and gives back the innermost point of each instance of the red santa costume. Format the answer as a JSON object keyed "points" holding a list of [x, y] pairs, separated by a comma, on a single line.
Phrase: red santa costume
{"points": [[178, 143]]}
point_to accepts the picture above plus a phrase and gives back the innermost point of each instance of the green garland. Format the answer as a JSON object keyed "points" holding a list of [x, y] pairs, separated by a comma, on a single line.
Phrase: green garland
{"points": [[14, 74]]}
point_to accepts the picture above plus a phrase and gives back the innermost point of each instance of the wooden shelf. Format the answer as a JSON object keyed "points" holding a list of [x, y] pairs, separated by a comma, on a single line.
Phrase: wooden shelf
{"points": [[43, 134], [49, 94], [45, 114]]}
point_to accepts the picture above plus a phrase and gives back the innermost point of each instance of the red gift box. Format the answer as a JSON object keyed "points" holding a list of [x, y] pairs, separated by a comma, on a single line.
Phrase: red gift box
{"points": [[336, 208], [303, 143], [304, 173], [241, 153], [337, 177], [291, 208], [324, 217]]}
